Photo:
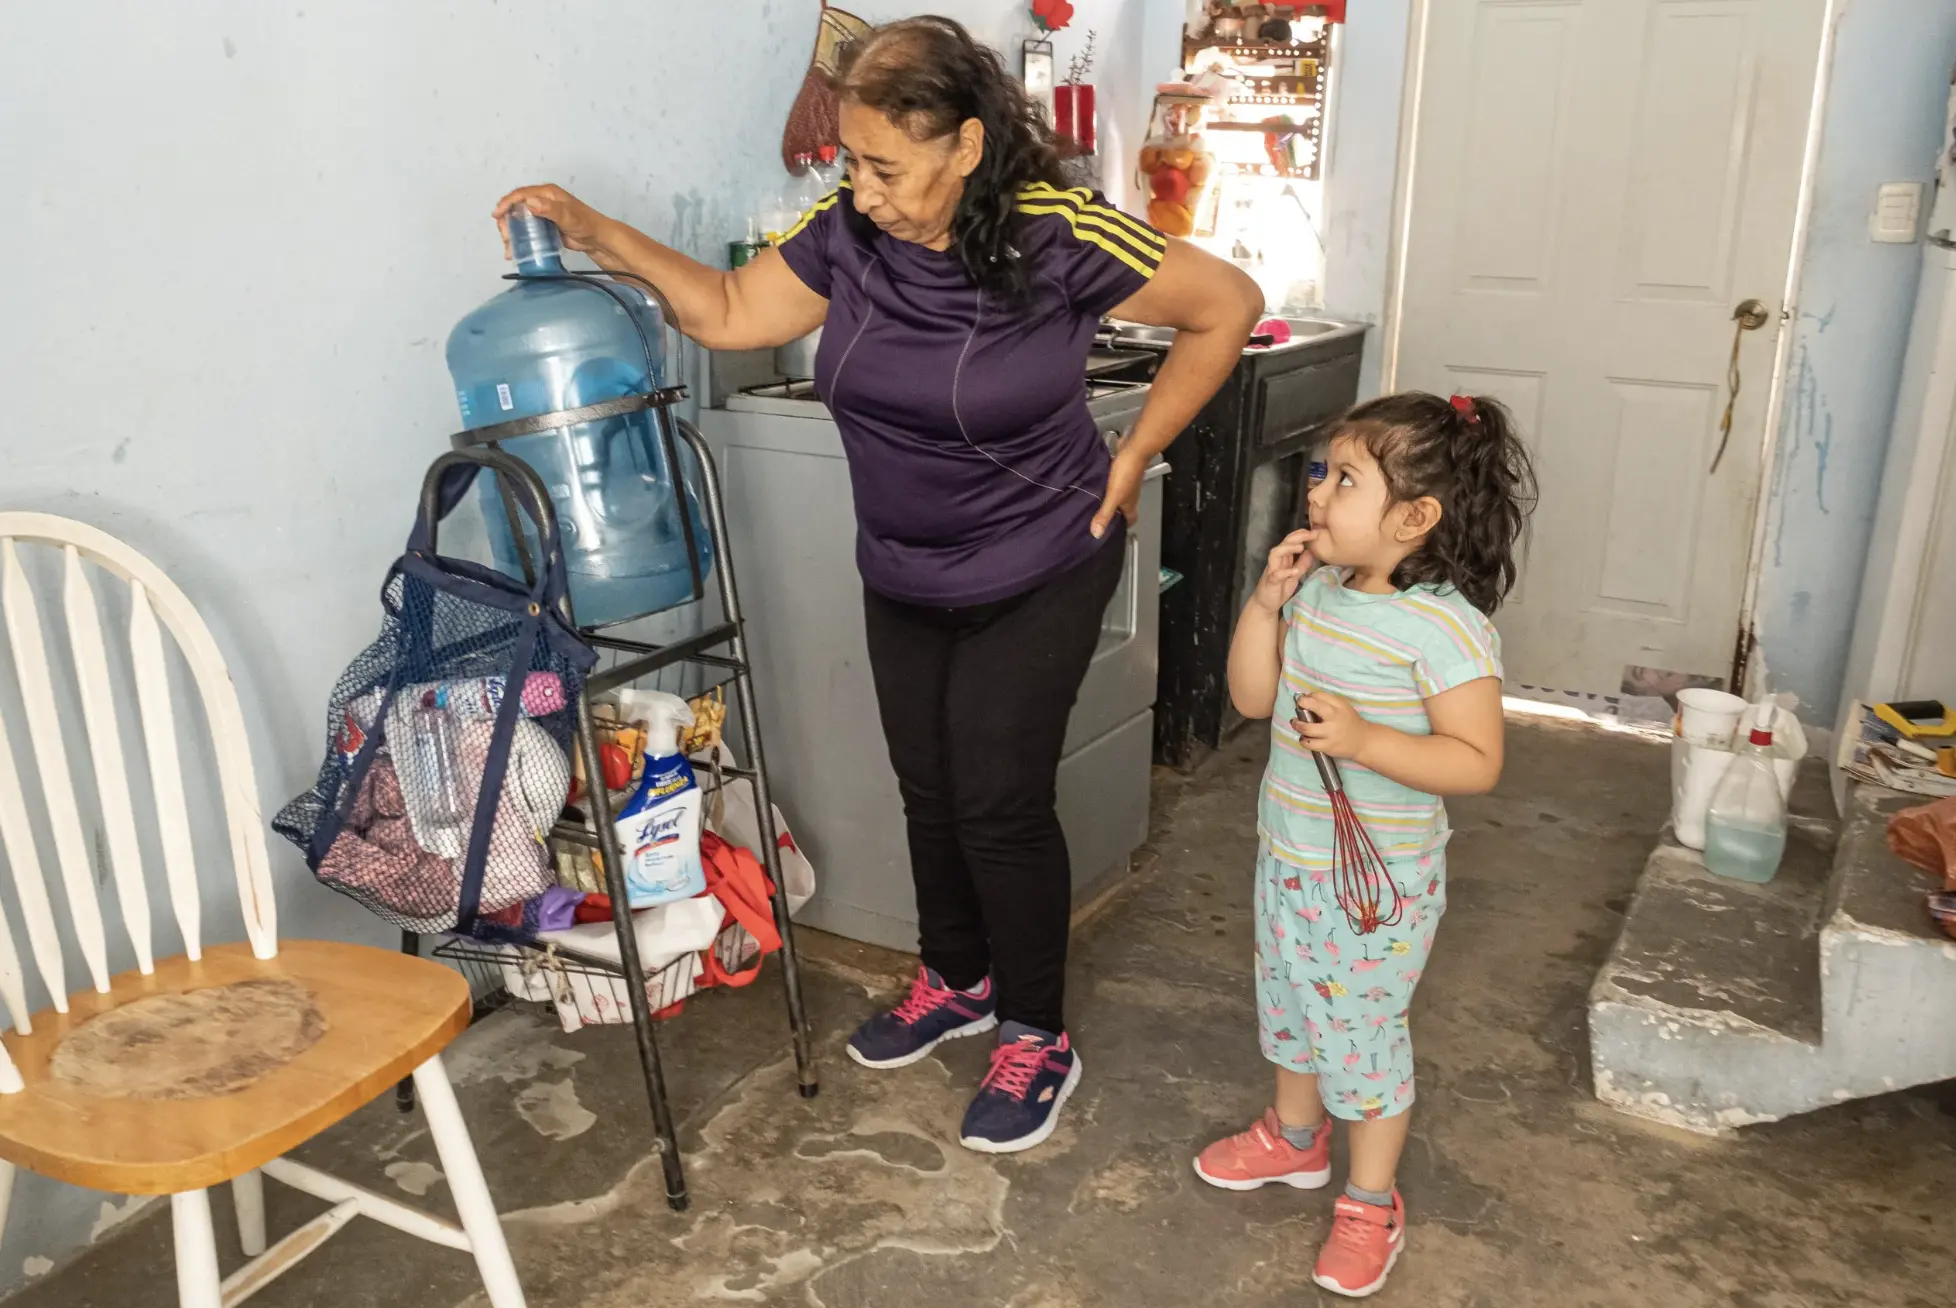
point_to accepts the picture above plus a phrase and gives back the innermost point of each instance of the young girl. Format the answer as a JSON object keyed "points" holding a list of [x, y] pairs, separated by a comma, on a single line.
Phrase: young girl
{"points": [[1382, 658]]}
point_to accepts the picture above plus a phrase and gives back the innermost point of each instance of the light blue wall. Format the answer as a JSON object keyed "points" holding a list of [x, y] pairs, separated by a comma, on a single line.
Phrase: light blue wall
{"points": [[1884, 117], [237, 235], [1362, 167]]}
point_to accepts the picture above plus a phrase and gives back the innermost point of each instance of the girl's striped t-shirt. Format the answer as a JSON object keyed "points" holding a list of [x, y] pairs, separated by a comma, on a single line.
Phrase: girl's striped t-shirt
{"points": [[1387, 654]]}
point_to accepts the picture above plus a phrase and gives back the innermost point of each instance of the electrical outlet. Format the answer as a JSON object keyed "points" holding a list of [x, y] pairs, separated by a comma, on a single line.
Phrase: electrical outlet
{"points": [[1898, 213]]}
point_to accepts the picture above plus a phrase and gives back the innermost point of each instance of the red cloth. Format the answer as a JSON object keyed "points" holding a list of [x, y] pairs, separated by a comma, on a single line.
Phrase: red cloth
{"points": [[735, 878], [1926, 836]]}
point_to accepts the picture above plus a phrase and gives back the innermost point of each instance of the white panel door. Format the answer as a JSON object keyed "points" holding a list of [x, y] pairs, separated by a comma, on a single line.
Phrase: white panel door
{"points": [[1598, 183]]}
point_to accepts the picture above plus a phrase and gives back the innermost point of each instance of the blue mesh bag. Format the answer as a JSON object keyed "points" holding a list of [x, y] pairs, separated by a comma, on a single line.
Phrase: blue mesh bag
{"points": [[448, 739]]}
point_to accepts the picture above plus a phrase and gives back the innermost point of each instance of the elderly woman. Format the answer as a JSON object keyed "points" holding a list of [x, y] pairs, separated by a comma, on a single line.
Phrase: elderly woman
{"points": [[959, 284]]}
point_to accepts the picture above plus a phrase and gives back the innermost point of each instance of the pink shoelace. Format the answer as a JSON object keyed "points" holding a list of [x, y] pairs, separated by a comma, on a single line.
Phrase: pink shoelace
{"points": [[1352, 1227], [924, 1000], [1014, 1066]]}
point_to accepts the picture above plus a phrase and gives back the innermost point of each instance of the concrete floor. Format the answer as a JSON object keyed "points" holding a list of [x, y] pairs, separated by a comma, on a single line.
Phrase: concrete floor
{"points": [[1522, 1189]]}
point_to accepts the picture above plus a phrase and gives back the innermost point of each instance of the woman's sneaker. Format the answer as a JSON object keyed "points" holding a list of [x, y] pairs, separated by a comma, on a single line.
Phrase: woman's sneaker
{"points": [[1365, 1241], [931, 1015], [1033, 1074], [1261, 1156]]}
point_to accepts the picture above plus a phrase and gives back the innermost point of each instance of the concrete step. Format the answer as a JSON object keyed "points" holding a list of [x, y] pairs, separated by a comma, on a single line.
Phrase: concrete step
{"points": [[1725, 1004]]}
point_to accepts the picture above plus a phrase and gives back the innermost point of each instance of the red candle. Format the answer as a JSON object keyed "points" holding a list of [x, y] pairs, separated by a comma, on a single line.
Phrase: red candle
{"points": [[1073, 114]]}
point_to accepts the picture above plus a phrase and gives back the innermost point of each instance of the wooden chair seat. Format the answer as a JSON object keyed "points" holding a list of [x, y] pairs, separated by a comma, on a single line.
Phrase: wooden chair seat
{"points": [[383, 1014], [205, 1071]]}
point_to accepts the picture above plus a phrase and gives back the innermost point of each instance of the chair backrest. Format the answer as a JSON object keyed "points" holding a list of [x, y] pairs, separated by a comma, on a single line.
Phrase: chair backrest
{"points": [[155, 605]]}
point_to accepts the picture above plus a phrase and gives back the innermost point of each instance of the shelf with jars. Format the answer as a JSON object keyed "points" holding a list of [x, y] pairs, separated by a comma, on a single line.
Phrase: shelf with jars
{"points": [[1307, 58], [1249, 118], [1273, 88], [1246, 25]]}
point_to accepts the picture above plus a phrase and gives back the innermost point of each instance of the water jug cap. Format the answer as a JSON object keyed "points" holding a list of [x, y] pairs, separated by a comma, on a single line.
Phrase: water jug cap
{"points": [[534, 242]]}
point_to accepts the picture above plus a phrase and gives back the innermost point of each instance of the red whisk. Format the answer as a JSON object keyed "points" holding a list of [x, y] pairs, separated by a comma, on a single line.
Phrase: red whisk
{"points": [[1358, 873]]}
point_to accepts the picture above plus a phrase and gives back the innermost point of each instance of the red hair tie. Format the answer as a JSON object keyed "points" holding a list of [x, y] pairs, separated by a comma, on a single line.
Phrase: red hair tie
{"points": [[1464, 405]]}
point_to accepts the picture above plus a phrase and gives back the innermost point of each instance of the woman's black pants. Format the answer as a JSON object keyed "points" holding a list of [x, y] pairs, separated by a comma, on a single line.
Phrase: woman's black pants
{"points": [[975, 703]]}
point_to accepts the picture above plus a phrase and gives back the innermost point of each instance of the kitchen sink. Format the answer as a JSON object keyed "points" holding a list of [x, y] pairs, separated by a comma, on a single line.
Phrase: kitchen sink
{"points": [[1303, 331], [1134, 333]]}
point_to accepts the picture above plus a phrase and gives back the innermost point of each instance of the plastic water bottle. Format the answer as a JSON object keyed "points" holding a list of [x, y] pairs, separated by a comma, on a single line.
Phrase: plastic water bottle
{"points": [[808, 188], [432, 784], [542, 346], [780, 212], [1745, 828], [827, 171]]}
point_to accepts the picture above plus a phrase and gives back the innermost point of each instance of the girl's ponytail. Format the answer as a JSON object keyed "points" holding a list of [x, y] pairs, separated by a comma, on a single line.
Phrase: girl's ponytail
{"points": [[1493, 494]]}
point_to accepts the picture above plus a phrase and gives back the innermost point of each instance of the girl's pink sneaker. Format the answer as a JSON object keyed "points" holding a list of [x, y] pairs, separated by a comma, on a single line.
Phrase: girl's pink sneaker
{"points": [[1365, 1241], [1261, 1156]]}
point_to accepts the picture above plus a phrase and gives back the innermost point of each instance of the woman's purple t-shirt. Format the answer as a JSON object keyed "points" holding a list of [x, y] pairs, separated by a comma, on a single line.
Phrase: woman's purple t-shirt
{"points": [[976, 466]]}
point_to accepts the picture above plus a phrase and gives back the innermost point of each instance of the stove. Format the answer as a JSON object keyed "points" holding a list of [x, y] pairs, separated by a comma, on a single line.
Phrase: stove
{"points": [[794, 397], [790, 503], [1112, 403], [793, 388]]}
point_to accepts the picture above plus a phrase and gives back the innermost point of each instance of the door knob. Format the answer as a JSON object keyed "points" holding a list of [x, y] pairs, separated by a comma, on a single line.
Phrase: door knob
{"points": [[1747, 316]]}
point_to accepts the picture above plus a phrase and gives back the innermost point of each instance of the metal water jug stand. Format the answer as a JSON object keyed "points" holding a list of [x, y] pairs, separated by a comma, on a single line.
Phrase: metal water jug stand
{"points": [[720, 650]]}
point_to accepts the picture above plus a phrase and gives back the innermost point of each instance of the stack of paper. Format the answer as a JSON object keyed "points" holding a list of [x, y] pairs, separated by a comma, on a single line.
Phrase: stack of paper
{"points": [[1880, 756]]}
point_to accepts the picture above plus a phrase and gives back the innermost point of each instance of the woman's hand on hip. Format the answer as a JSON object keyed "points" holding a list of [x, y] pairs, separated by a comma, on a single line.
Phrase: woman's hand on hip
{"points": [[1123, 489], [582, 226]]}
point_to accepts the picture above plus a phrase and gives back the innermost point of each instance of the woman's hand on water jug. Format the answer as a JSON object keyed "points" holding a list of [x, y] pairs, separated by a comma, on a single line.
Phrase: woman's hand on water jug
{"points": [[582, 226]]}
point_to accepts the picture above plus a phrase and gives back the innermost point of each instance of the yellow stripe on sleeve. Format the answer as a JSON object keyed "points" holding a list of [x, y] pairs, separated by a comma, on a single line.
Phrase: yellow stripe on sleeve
{"points": [[1144, 239], [822, 206], [1147, 265]]}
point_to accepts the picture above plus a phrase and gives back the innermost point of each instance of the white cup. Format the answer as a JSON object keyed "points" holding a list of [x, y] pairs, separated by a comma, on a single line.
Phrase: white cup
{"points": [[1709, 717]]}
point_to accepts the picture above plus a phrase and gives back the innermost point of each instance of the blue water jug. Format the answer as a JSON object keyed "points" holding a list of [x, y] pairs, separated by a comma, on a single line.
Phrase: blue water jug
{"points": [[547, 345]]}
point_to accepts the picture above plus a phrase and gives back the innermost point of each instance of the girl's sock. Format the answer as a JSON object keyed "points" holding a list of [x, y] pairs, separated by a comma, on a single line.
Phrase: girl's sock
{"points": [[1301, 1137], [1373, 1197]]}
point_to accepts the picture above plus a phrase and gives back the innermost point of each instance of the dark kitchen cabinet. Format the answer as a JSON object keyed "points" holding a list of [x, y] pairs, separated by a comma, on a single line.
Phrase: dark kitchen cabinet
{"points": [[1238, 486]]}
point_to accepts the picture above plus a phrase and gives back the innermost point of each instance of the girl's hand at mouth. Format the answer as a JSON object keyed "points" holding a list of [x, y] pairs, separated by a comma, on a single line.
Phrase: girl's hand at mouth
{"points": [[1286, 569]]}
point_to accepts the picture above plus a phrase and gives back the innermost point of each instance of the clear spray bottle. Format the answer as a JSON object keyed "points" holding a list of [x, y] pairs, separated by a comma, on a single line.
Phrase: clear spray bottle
{"points": [[1745, 828]]}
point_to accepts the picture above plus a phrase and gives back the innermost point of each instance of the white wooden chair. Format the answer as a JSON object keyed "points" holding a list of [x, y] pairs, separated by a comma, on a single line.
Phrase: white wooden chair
{"points": [[219, 1060]]}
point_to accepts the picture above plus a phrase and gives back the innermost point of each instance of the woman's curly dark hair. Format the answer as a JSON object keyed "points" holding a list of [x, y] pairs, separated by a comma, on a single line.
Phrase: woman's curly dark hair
{"points": [[1466, 455], [929, 76]]}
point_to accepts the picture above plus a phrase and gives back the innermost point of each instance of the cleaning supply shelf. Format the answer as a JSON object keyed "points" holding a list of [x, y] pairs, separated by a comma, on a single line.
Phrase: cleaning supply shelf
{"points": [[554, 972]]}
